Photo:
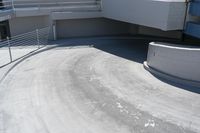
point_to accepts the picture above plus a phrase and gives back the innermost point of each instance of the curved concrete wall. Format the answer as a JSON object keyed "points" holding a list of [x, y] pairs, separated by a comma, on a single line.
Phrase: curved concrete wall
{"points": [[178, 61]]}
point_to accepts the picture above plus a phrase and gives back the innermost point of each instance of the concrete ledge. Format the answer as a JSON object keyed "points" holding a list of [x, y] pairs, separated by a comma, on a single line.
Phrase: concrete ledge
{"points": [[75, 15], [174, 62]]}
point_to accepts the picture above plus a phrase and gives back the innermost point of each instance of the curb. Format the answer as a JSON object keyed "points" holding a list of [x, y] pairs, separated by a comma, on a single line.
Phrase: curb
{"points": [[170, 77]]}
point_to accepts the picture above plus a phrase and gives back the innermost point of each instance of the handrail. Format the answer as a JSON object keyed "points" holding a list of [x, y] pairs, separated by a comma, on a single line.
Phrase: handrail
{"points": [[18, 3], [43, 4], [61, 2], [6, 5], [36, 38], [53, 5]]}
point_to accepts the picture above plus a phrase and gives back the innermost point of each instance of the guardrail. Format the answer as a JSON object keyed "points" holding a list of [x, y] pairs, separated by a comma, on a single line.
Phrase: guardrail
{"points": [[12, 4], [6, 5], [18, 46], [44, 4], [50, 6]]}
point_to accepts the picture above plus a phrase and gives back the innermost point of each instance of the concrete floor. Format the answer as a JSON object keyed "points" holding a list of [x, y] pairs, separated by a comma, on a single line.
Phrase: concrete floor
{"points": [[93, 86]]}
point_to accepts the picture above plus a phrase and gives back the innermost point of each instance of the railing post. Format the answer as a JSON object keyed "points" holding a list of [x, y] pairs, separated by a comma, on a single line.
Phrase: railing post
{"points": [[10, 54], [54, 32], [13, 6], [38, 39]]}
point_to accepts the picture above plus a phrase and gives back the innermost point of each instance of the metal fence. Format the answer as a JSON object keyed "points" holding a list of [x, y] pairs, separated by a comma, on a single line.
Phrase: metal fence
{"points": [[18, 46]]}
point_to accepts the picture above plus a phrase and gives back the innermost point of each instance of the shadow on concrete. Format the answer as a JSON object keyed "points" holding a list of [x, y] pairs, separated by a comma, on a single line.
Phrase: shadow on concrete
{"points": [[22, 58], [184, 86], [125, 47], [19, 58], [134, 50]]}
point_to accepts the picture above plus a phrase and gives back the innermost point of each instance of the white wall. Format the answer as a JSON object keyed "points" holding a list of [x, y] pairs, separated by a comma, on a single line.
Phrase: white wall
{"points": [[178, 61], [25, 24], [165, 15], [157, 14], [161, 14]]}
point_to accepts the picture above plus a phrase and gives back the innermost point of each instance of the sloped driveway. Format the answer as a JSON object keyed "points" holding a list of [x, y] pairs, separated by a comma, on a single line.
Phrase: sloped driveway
{"points": [[94, 86]]}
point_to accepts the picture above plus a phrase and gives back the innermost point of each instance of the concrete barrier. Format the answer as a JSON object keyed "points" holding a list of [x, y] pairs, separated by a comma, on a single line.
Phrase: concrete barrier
{"points": [[175, 62]]}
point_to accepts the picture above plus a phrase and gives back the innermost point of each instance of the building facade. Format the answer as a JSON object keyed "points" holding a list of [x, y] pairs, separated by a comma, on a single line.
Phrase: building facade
{"points": [[75, 18]]}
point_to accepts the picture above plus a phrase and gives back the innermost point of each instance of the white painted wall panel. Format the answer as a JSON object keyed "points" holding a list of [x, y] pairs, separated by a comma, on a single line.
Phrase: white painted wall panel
{"points": [[165, 15]]}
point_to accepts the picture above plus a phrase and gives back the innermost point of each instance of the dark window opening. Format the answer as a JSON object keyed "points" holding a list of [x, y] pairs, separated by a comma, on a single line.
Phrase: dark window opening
{"points": [[4, 30], [1, 4]]}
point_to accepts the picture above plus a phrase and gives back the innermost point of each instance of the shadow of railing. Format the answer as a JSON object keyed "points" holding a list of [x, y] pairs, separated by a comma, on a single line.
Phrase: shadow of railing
{"points": [[17, 47]]}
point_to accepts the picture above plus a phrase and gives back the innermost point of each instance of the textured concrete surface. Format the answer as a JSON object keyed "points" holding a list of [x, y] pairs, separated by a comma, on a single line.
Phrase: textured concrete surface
{"points": [[101, 89]]}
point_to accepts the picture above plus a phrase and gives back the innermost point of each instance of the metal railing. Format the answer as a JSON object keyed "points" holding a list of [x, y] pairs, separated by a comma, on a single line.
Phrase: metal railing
{"points": [[59, 5], [20, 45], [6, 5], [51, 5]]}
